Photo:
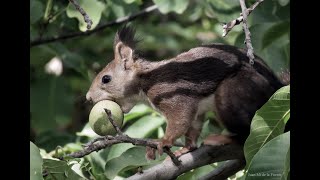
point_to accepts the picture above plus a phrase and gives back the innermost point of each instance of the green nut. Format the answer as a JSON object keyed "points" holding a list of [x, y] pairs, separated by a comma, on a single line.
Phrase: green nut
{"points": [[99, 121]]}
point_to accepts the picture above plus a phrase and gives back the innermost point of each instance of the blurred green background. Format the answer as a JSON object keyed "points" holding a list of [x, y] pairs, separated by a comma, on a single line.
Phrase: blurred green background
{"points": [[59, 113]]}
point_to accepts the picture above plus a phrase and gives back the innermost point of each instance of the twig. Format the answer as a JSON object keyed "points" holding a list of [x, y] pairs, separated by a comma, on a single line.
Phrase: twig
{"points": [[174, 159], [202, 156], [102, 143], [99, 28], [226, 170], [247, 32], [95, 140], [228, 27], [106, 141], [83, 13], [115, 126]]}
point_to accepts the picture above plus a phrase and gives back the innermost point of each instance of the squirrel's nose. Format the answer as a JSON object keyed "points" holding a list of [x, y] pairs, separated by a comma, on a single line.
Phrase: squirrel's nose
{"points": [[88, 97]]}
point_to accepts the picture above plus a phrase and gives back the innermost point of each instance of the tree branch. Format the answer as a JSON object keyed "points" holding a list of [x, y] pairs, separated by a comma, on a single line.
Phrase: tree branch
{"points": [[247, 32], [202, 156], [228, 169], [228, 27], [83, 13], [170, 168], [106, 141], [99, 28]]}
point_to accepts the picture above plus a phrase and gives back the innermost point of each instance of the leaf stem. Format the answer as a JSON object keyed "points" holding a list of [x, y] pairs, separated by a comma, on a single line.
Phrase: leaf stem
{"points": [[47, 11]]}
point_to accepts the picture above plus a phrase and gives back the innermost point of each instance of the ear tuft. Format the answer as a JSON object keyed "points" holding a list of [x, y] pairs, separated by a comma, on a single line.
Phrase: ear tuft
{"points": [[126, 35]]}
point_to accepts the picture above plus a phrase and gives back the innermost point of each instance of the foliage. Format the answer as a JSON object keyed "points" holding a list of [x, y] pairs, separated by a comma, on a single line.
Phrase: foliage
{"points": [[36, 165], [94, 8], [267, 148], [56, 169], [272, 161], [59, 113], [268, 122]]}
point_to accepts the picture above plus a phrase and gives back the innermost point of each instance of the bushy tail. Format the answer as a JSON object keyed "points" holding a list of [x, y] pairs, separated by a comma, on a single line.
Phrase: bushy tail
{"points": [[284, 77]]}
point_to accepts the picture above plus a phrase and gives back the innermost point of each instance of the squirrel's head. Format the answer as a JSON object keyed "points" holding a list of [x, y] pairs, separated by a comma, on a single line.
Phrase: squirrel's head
{"points": [[117, 81]]}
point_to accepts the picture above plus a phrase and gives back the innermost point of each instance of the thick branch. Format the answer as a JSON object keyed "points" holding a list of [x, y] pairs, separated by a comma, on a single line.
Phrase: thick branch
{"points": [[247, 32], [228, 27], [228, 169], [99, 28], [200, 157], [83, 13]]}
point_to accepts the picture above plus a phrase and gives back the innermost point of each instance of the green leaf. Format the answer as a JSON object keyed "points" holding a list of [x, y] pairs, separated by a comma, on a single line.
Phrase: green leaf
{"points": [[271, 160], [132, 158], [283, 2], [50, 103], [69, 58], [256, 38], [35, 162], [145, 126], [196, 13], [50, 139], [87, 131], [275, 55], [72, 147], [93, 8], [265, 13], [76, 167], [166, 6], [224, 11], [286, 167], [97, 162], [208, 128], [36, 11], [117, 149], [131, 1], [40, 55], [137, 111], [283, 12], [268, 122], [118, 9], [160, 133], [59, 170], [275, 32]]}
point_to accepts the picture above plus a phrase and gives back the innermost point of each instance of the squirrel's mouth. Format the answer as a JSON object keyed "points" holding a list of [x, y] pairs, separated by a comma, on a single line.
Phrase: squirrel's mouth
{"points": [[101, 99], [125, 106], [96, 96]]}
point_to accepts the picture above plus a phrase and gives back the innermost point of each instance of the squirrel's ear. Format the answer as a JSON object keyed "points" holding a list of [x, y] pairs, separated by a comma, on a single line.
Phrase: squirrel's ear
{"points": [[124, 45], [122, 51], [123, 54]]}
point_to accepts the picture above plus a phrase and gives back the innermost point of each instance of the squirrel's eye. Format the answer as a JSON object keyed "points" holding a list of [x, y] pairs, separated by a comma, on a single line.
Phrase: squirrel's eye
{"points": [[106, 79]]}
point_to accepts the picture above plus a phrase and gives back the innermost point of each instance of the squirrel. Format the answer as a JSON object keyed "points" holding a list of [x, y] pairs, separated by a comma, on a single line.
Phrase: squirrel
{"points": [[213, 77]]}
